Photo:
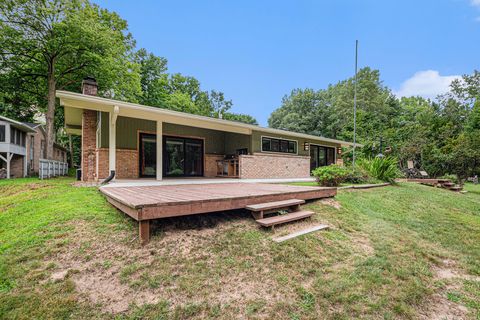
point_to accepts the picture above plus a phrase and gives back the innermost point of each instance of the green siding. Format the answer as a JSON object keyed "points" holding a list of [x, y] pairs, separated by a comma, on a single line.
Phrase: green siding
{"points": [[127, 131], [214, 140], [257, 141], [234, 141]]}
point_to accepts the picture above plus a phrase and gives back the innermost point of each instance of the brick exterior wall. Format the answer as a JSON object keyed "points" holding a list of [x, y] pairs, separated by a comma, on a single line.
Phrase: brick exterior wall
{"points": [[263, 166], [126, 167], [38, 136], [89, 131], [59, 154], [211, 164], [16, 166]]}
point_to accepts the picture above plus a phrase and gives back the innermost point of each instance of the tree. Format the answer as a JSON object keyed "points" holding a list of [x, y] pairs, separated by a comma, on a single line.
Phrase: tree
{"points": [[52, 44], [153, 78], [179, 92], [442, 136], [239, 117], [219, 106], [329, 112]]}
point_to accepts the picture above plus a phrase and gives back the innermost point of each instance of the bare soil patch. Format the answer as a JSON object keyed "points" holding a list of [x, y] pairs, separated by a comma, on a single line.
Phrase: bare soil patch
{"points": [[331, 202], [98, 264], [18, 189], [438, 307]]}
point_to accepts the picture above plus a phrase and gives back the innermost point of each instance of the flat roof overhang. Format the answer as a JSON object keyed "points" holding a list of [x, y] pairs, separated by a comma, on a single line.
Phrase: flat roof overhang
{"points": [[74, 103]]}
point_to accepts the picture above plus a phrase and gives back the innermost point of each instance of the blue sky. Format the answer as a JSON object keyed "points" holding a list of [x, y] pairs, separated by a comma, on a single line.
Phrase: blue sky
{"points": [[258, 51]]}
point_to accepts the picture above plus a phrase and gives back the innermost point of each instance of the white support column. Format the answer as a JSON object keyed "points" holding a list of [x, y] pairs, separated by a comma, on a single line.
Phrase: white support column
{"points": [[159, 150], [9, 159], [112, 139]]}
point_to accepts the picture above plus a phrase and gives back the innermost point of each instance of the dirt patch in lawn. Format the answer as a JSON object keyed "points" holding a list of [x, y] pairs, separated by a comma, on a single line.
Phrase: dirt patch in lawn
{"points": [[363, 243], [113, 271], [448, 270], [331, 202], [12, 190], [439, 306]]}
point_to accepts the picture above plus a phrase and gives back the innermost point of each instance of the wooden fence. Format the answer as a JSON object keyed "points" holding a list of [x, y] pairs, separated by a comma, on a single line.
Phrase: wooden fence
{"points": [[52, 168]]}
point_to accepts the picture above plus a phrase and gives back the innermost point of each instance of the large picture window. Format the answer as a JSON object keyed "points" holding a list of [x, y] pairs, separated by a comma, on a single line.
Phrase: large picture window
{"points": [[279, 145]]}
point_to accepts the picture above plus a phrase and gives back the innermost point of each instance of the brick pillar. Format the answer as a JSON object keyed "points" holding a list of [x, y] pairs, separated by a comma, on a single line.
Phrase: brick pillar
{"points": [[89, 145]]}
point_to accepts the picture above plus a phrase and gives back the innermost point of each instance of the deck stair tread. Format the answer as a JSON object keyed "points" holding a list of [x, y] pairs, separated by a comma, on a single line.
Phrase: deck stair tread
{"points": [[448, 184], [274, 205], [292, 216], [456, 188]]}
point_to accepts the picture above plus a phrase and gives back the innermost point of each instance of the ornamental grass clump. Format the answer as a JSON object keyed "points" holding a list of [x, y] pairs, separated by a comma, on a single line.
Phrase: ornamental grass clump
{"points": [[384, 169], [330, 176]]}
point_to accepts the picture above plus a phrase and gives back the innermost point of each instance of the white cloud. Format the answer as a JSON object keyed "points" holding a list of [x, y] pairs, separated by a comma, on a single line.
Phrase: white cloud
{"points": [[427, 84], [475, 3]]}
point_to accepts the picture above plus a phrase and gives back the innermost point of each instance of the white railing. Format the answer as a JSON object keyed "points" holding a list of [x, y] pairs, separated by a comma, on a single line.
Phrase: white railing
{"points": [[52, 168]]}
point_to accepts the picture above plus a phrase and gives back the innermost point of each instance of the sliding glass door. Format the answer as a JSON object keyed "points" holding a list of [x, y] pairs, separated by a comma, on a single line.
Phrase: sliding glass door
{"points": [[182, 157], [321, 156]]}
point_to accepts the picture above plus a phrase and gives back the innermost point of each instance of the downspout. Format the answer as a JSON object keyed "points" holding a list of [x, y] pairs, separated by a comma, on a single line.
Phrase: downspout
{"points": [[112, 142], [109, 178]]}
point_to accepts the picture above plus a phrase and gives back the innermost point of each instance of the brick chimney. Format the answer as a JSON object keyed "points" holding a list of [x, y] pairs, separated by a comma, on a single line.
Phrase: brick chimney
{"points": [[89, 134], [89, 86]]}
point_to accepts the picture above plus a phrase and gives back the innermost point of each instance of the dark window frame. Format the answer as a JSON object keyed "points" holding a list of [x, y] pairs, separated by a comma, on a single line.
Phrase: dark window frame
{"points": [[279, 145], [315, 163], [3, 133], [13, 134]]}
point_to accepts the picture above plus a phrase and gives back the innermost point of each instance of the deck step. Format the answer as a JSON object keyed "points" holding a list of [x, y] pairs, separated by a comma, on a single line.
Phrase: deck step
{"points": [[448, 184], [301, 233], [456, 188], [274, 205], [292, 216]]}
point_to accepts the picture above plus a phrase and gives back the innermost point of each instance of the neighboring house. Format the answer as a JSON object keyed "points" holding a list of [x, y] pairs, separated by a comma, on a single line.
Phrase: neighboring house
{"points": [[140, 141], [22, 145], [37, 148], [13, 148]]}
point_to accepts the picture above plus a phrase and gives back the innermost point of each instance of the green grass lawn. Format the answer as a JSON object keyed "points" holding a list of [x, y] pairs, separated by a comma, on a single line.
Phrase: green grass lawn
{"points": [[400, 252]]}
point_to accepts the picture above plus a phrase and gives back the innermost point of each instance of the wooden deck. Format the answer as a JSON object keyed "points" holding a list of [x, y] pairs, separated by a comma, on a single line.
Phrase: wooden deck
{"points": [[144, 203]]}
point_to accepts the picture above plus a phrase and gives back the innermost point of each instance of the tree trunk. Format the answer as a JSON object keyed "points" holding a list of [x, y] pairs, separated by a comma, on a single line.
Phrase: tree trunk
{"points": [[50, 115]]}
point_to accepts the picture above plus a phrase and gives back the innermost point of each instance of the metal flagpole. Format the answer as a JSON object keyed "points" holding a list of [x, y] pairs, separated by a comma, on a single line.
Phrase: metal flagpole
{"points": [[355, 105]]}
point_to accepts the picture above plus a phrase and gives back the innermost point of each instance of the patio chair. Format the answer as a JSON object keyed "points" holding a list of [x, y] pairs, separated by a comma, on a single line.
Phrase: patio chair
{"points": [[424, 174]]}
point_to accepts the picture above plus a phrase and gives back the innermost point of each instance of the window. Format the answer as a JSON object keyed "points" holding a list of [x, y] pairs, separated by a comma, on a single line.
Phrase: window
{"points": [[278, 145], [42, 149], [2, 133], [17, 137], [321, 156], [32, 149]]}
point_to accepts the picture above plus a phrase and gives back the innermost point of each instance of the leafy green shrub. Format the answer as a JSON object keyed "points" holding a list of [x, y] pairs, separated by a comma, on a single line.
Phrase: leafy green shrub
{"points": [[451, 177], [72, 172], [330, 176], [358, 175], [384, 169]]}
